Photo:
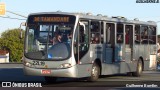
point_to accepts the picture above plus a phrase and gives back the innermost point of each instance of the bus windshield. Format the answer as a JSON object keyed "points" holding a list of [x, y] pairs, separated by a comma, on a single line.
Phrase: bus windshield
{"points": [[48, 41]]}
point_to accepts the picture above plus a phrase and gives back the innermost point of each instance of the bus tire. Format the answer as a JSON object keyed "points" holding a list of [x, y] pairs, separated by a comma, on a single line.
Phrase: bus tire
{"points": [[95, 72], [50, 79], [139, 69]]}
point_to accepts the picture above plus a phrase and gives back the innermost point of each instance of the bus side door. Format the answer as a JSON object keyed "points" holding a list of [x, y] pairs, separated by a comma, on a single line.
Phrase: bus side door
{"points": [[110, 42], [128, 43]]}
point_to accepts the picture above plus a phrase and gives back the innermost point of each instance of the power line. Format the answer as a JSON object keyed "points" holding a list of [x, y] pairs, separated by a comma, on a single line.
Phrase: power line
{"points": [[16, 14], [12, 18]]}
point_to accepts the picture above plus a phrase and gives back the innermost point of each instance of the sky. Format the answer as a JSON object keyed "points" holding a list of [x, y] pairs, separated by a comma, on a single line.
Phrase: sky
{"points": [[126, 8]]}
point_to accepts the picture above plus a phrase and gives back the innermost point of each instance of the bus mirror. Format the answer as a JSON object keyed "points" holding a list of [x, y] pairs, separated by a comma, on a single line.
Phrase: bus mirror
{"points": [[20, 28], [23, 24]]}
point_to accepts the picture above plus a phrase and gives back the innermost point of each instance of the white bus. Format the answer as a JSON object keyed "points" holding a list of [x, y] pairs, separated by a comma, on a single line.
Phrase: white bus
{"points": [[61, 44]]}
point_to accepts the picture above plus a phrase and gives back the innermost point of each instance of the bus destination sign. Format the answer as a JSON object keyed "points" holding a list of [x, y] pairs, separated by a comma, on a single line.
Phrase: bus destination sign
{"points": [[51, 19]]}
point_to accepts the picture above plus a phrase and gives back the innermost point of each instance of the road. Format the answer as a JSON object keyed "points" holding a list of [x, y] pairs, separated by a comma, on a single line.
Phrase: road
{"points": [[148, 78], [16, 74]]}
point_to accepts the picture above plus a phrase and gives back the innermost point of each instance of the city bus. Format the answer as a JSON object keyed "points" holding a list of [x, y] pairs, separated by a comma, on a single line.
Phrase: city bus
{"points": [[82, 45]]}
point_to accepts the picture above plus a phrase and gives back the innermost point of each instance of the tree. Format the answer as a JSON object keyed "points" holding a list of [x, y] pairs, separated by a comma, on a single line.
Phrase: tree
{"points": [[10, 41]]}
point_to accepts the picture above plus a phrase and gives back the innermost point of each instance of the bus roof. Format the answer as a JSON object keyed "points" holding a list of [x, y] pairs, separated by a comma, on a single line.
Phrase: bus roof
{"points": [[100, 17]]}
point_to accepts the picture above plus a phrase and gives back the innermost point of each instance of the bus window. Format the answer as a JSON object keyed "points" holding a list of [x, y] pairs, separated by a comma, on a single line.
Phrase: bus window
{"points": [[95, 32], [128, 34], [137, 34], [81, 34], [120, 33], [102, 33], [31, 40], [152, 35], [144, 35], [109, 33]]}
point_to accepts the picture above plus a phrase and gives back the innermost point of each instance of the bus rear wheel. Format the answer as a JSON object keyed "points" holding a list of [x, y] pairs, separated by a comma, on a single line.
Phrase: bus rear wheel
{"points": [[95, 72], [50, 79], [139, 69]]}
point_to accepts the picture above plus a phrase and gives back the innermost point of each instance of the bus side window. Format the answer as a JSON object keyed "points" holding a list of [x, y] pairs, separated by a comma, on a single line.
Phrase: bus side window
{"points": [[127, 36], [144, 35], [102, 32], [110, 33], [152, 35], [120, 33], [137, 34], [95, 32], [81, 34]]}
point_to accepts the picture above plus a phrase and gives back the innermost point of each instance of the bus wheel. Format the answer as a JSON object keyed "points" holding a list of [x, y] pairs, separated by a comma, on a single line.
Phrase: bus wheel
{"points": [[95, 72], [50, 79], [139, 69]]}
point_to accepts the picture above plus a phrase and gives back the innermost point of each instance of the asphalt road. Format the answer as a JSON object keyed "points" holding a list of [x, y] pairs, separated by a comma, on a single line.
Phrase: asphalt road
{"points": [[150, 78], [16, 74]]}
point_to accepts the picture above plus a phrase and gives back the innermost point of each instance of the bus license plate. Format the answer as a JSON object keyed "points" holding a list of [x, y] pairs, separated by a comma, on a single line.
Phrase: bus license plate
{"points": [[45, 71], [42, 63]]}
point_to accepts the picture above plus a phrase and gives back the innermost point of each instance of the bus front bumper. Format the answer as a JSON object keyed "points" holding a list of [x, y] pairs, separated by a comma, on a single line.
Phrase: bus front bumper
{"points": [[68, 72]]}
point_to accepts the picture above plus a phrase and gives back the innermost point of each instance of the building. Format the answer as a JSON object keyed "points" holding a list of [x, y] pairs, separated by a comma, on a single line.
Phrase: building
{"points": [[4, 56]]}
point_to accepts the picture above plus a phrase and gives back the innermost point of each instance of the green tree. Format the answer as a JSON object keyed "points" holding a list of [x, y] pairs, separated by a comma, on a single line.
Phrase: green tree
{"points": [[10, 41]]}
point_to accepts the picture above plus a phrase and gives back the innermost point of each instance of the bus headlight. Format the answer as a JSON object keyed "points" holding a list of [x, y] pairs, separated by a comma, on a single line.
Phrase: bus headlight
{"points": [[28, 64], [66, 65]]}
